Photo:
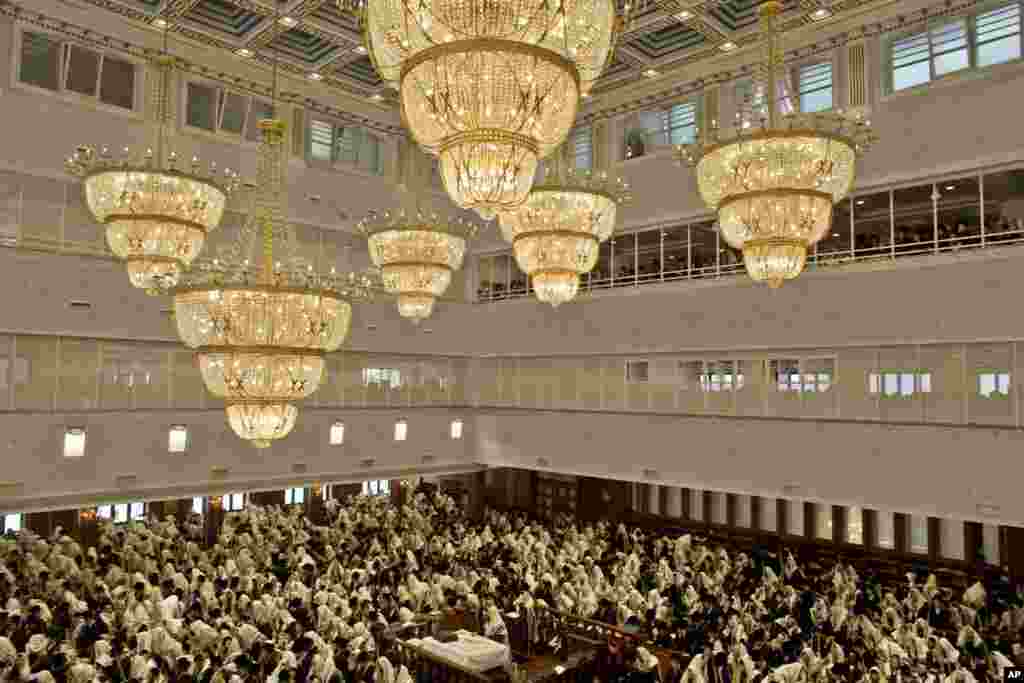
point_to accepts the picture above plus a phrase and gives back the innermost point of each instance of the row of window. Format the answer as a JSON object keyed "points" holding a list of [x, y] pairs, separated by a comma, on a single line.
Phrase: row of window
{"points": [[75, 437]]}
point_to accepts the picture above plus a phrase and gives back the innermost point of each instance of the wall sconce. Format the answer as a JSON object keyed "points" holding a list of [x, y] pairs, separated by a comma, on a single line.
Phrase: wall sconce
{"points": [[87, 516]]}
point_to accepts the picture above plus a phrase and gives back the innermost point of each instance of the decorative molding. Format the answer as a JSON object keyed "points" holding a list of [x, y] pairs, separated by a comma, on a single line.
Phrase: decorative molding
{"points": [[856, 69]]}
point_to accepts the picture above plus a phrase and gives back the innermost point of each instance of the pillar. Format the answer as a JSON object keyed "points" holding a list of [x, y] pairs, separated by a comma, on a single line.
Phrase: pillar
{"points": [[839, 524], [934, 538], [755, 513], [901, 528], [782, 517], [685, 497], [870, 521], [315, 505], [810, 520], [88, 531], [973, 541], [213, 518], [731, 503], [653, 499], [674, 502]]}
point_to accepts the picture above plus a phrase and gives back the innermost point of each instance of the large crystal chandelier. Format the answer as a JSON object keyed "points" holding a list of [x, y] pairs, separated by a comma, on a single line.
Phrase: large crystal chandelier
{"points": [[416, 247], [260, 318], [774, 185], [490, 87], [556, 232], [157, 209]]}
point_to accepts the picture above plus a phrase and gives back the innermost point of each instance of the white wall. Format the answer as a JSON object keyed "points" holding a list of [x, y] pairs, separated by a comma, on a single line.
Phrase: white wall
{"points": [[938, 471], [36, 476]]}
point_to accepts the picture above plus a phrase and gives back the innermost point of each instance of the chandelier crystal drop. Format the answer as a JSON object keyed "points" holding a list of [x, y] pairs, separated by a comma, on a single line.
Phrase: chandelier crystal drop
{"points": [[774, 185], [556, 233], [490, 88], [260, 318], [156, 209], [416, 248]]}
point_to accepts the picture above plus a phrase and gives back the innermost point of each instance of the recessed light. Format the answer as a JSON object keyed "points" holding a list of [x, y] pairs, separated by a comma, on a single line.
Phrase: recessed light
{"points": [[287, 22], [819, 14], [651, 73], [243, 52], [376, 97], [315, 76], [727, 46], [835, 234], [360, 49], [950, 187], [860, 202], [160, 22], [684, 16]]}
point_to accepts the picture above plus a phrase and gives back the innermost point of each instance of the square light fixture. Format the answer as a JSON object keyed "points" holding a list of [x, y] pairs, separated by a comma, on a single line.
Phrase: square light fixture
{"points": [[684, 16], [160, 23], [74, 442], [337, 436], [288, 22], [244, 52], [177, 439], [401, 430], [456, 429], [359, 49], [727, 46], [820, 14], [316, 76], [651, 73]]}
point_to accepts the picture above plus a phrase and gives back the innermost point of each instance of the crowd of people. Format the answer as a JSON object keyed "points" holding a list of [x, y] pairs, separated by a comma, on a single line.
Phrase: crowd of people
{"points": [[280, 599]]}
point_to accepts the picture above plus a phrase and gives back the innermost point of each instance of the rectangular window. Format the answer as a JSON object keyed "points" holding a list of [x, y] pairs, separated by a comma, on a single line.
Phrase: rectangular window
{"points": [[232, 111], [47, 62], [814, 82], [337, 434], [637, 371], [389, 378], [456, 429], [949, 47], [40, 60], [258, 111], [74, 442], [997, 35], [117, 82], [787, 375], [401, 430], [751, 104], [720, 375], [581, 146], [377, 487], [993, 384], [200, 109], [233, 502], [944, 48], [900, 384], [295, 496], [120, 513], [12, 522], [177, 439], [82, 73], [198, 505], [681, 123], [330, 142]]}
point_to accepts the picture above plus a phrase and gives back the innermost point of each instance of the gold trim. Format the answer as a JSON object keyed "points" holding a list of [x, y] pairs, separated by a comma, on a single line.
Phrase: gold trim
{"points": [[422, 264], [779, 133], [267, 289], [258, 402], [260, 350], [174, 173], [776, 242], [450, 229], [155, 259], [156, 217], [556, 271], [481, 135], [783, 191], [556, 233], [491, 45], [569, 188]]}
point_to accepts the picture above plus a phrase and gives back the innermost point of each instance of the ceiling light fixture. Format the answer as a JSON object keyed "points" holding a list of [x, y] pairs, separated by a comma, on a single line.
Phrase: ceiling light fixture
{"points": [[160, 23], [727, 46], [287, 22], [376, 97], [243, 52], [359, 49], [651, 73], [556, 233], [684, 16], [820, 14], [491, 88], [860, 202], [950, 188], [156, 209], [774, 188], [316, 76]]}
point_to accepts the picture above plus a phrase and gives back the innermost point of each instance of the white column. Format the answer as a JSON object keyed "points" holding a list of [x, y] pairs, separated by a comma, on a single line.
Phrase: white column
{"points": [[654, 499], [674, 504]]}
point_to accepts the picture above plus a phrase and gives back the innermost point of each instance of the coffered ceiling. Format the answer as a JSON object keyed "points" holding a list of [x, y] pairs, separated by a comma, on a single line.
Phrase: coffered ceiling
{"points": [[318, 37]]}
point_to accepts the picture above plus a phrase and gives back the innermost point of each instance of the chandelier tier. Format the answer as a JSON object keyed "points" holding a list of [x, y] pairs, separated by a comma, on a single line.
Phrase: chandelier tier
{"points": [[556, 233], [259, 320], [417, 249], [156, 209], [490, 88], [774, 186]]}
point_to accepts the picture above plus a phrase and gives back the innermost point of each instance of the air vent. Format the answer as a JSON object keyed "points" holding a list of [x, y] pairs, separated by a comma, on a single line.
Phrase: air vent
{"points": [[543, 462], [300, 468], [427, 459], [126, 480], [651, 474], [367, 462], [79, 305]]}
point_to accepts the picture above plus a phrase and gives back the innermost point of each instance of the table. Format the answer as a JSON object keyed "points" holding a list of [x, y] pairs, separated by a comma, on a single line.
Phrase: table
{"points": [[472, 652]]}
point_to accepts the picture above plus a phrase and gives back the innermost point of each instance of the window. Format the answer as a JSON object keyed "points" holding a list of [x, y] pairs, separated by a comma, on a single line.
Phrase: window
{"points": [[456, 429], [177, 439], [681, 123], [333, 143], [258, 111], [120, 513], [895, 384], [637, 371], [581, 144], [918, 534], [48, 63], [233, 502], [217, 110], [814, 82], [390, 378], [337, 434], [74, 442], [993, 384], [12, 522], [198, 505], [990, 37], [401, 430], [721, 376], [296, 496], [377, 487], [787, 375]]}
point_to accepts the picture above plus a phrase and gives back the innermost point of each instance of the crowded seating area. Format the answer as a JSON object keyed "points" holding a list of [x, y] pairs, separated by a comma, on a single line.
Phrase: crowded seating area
{"points": [[279, 598]]}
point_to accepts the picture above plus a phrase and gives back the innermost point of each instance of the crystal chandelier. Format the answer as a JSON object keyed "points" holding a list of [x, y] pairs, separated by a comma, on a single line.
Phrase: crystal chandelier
{"points": [[556, 232], [261, 319], [156, 209], [416, 248], [773, 186], [490, 88]]}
